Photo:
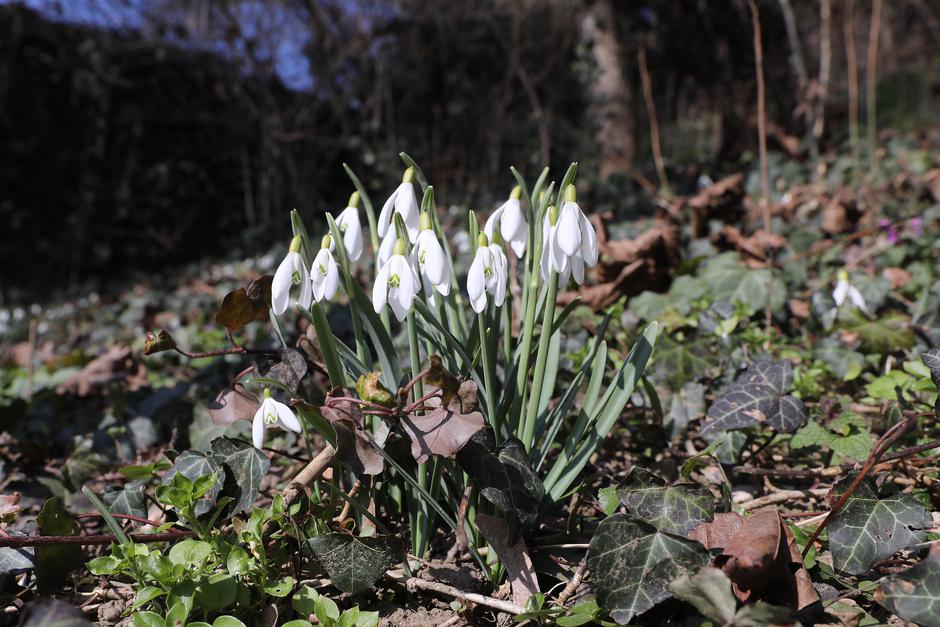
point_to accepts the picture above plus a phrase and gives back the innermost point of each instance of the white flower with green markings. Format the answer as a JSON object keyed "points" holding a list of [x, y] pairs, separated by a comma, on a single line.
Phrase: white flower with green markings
{"points": [[846, 291], [487, 275], [511, 222], [272, 413], [403, 202], [324, 273], [396, 283], [429, 258], [351, 228], [570, 243], [291, 281]]}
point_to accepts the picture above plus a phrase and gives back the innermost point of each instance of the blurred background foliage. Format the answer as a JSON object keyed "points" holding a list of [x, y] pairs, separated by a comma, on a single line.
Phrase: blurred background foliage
{"points": [[136, 134]]}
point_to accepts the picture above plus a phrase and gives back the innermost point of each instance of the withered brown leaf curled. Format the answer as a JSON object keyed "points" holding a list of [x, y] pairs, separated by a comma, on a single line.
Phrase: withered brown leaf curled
{"points": [[444, 430], [515, 557], [232, 405], [245, 304], [718, 533], [353, 447]]}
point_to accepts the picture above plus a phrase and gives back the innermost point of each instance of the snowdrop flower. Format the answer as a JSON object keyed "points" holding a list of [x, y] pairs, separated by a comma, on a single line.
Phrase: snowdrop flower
{"points": [[396, 283], [290, 274], [402, 201], [844, 290], [272, 413], [487, 274], [429, 258], [324, 275], [348, 222], [512, 223], [575, 236], [553, 257]]}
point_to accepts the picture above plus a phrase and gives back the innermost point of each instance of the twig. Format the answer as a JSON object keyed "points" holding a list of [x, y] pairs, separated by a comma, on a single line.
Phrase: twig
{"points": [[143, 521], [825, 64], [572, 586], [413, 583], [761, 115], [781, 496], [848, 35], [18, 541], [653, 120], [871, 76]]}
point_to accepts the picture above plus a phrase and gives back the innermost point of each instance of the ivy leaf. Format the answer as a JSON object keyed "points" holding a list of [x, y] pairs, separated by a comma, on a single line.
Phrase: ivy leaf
{"points": [[931, 359], [633, 564], [889, 333], [914, 594], [733, 282], [845, 361], [445, 430], [193, 465], [129, 500], [504, 476], [245, 467], [846, 436], [675, 508], [158, 342], [355, 564], [245, 304], [53, 562], [868, 529], [678, 362], [757, 396]]}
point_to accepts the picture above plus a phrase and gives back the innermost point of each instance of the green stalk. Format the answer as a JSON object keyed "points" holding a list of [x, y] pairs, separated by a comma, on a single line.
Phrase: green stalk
{"points": [[334, 367], [522, 372], [362, 349], [541, 358], [417, 511], [489, 374]]}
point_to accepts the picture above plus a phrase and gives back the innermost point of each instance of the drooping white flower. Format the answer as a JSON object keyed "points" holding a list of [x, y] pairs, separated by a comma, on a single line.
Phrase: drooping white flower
{"points": [[290, 276], [396, 283], [570, 243], [429, 258], [404, 202], [488, 274], [348, 222], [845, 290], [272, 413], [512, 223], [324, 274]]}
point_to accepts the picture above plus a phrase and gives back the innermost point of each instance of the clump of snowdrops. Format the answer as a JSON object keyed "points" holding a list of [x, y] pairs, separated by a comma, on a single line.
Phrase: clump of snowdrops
{"points": [[477, 393]]}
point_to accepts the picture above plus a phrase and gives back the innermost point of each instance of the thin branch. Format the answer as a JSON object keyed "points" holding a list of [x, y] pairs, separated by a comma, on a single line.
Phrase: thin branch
{"points": [[20, 541], [413, 583], [871, 78], [761, 115], [848, 35], [653, 120]]}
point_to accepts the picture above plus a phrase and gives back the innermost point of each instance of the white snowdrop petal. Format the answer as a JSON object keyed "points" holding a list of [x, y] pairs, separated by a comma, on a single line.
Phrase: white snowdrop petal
{"points": [[286, 417], [281, 285]]}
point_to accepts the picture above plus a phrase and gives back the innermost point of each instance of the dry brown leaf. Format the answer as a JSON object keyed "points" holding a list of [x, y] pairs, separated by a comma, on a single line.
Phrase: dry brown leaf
{"points": [[932, 181], [116, 365], [233, 405], [515, 558], [718, 533], [353, 447], [799, 308], [445, 430], [720, 201], [899, 277], [245, 304], [762, 561]]}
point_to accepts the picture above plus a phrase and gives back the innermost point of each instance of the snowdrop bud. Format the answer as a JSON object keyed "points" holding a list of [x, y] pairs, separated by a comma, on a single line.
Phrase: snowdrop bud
{"points": [[482, 240], [425, 222], [488, 274], [408, 176], [399, 248], [296, 243], [326, 242], [353, 200], [516, 193], [553, 215], [396, 283], [571, 194], [429, 258]]}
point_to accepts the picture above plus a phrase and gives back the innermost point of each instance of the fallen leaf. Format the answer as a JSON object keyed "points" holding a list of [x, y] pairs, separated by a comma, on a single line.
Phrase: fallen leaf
{"points": [[445, 430], [718, 533], [353, 447], [720, 201], [245, 304], [9, 507], [233, 405], [899, 277], [116, 365], [515, 557]]}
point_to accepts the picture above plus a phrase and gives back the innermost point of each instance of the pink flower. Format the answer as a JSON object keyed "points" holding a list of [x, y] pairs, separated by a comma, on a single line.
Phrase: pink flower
{"points": [[917, 226], [887, 225]]}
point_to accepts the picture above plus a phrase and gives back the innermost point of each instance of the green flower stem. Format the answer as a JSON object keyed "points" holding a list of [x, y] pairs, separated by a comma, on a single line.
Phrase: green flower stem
{"points": [[334, 367], [522, 372], [489, 376], [417, 510], [541, 358], [362, 349]]}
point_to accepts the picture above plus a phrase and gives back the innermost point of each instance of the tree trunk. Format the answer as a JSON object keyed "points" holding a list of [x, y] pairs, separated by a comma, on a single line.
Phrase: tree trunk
{"points": [[610, 93]]}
